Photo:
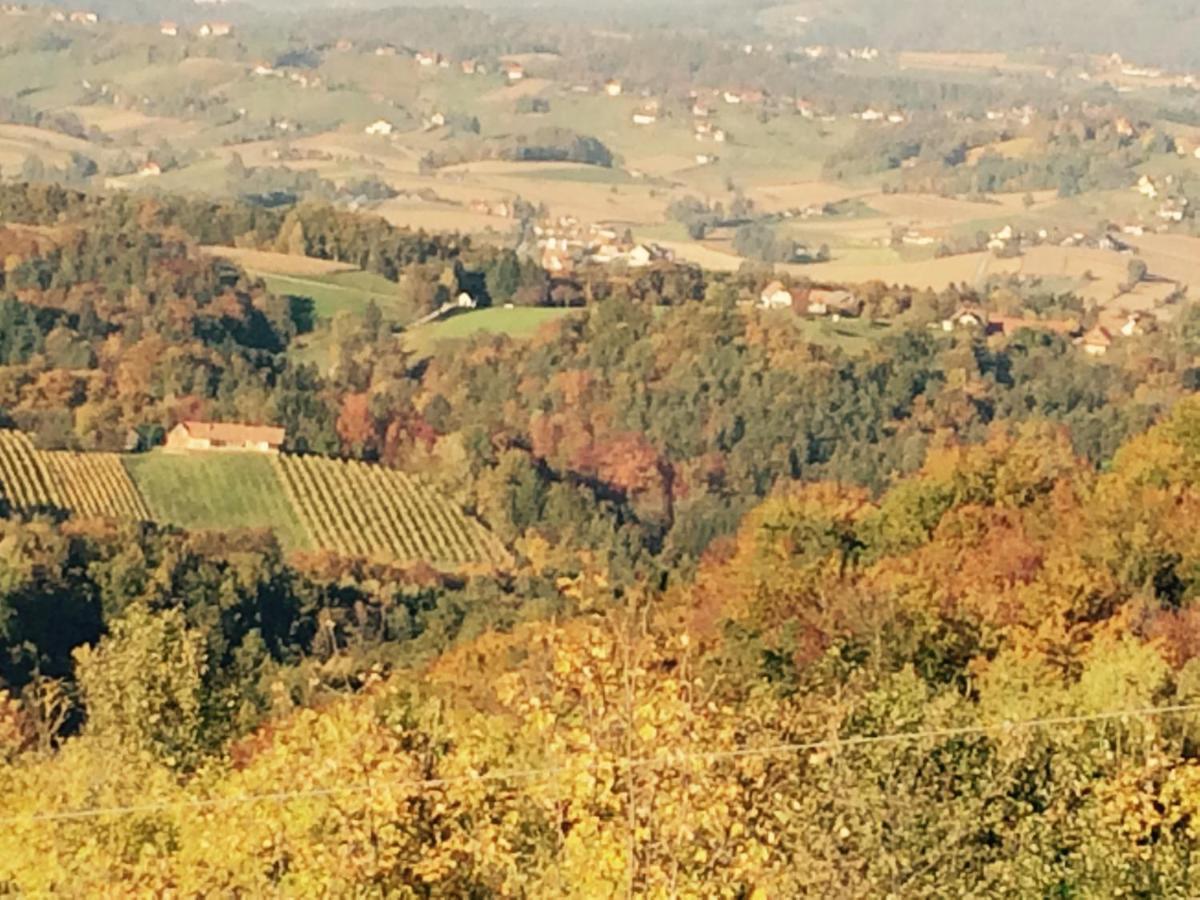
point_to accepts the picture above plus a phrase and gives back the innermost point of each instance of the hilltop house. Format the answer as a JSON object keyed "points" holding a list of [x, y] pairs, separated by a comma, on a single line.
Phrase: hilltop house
{"points": [[228, 436]]}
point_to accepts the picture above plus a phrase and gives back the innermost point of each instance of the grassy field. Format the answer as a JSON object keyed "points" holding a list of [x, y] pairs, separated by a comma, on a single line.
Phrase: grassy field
{"points": [[213, 491], [343, 292], [518, 323], [854, 336]]}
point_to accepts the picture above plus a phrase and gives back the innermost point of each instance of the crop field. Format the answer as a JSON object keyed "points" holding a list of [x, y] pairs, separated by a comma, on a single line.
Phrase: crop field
{"points": [[369, 511], [95, 484], [216, 492]]}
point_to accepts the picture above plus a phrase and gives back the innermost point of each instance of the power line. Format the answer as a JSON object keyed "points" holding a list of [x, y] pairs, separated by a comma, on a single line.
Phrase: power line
{"points": [[546, 773]]}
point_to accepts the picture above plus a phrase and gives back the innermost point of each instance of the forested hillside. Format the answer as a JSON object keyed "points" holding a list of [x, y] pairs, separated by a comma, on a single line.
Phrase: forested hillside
{"points": [[785, 613], [982, 682]]}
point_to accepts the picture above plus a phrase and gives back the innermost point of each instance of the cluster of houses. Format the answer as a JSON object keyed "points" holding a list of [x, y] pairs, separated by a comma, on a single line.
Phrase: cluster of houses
{"points": [[500, 209], [815, 302], [1174, 207], [204, 30], [858, 54], [75, 17], [266, 70], [565, 244], [512, 70], [1096, 341]]}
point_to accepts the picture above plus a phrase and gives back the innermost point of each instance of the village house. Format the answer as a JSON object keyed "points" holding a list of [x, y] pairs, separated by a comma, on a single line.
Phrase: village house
{"points": [[225, 436], [386, 50], [644, 254], [1147, 188], [837, 304], [705, 159], [613, 87], [700, 111], [215, 29], [169, 29], [966, 316], [1097, 341], [1135, 324], [971, 317], [514, 71], [469, 66], [84, 17], [265, 70], [379, 128], [427, 58], [644, 117], [149, 169], [775, 296]]}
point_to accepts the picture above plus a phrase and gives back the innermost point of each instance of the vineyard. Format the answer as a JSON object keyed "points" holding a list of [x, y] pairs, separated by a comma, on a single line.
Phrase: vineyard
{"points": [[370, 511], [349, 508], [86, 484], [95, 484], [25, 479]]}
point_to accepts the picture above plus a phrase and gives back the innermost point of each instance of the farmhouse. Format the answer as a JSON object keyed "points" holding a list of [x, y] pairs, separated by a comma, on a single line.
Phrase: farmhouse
{"points": [[170, 29], [149, 169], [225, 436], [381, 127], [84, 18], [428, 58], [469, 66], [644, 117], [966, 317], [775, 296], [514, 71], [836, 304], [644, 254], [613, 87], [1097, 341]]}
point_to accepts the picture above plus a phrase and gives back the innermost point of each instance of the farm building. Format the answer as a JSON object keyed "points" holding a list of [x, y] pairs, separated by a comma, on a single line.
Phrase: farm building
{"points": [[775, 296], [1097, 341], [225, 436], [837, 304]]}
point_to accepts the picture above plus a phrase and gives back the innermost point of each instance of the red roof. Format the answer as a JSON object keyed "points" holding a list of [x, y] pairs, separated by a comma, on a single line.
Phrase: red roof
{"points": [[235, 433]]}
